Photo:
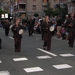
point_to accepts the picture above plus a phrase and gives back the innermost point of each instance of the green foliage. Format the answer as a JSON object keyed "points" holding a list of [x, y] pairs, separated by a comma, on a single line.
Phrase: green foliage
{"points": [[36, 14], [60, 11], [3, 12], [57, 11], [49, 10]]}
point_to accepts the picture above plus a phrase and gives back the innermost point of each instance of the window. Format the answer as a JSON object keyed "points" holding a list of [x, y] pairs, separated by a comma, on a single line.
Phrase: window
{"points": [[44, 7], [22, 6], [45, 0], [34, 7]]}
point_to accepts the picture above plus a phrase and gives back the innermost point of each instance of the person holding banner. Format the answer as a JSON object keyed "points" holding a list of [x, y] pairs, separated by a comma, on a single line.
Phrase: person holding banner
{"points": [[17, 30]]}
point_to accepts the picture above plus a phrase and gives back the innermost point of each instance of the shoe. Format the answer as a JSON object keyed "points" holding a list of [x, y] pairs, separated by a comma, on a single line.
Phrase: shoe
{"points": [[16, 51], [71, 45], [19, 51], [0, 46], [48, 49], [44, 48]]}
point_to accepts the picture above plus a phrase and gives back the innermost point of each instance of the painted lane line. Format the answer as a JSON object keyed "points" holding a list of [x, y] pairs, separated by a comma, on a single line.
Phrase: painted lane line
{"points": [[67, 55], [33, 69], [43, 57], [4, 73], [62, 66], [11, 37], [0, 61], [20, 59], [47, 52]]}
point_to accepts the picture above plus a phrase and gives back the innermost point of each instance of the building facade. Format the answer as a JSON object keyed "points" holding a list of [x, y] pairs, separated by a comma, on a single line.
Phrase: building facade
{"points": [[37, 6], [22, 8], [70, 4], [5, 5]]}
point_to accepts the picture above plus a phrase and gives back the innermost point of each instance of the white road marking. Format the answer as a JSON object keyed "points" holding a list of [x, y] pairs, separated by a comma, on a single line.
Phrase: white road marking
{"points": [[20, 59], [43, 57], [47, 52], [11, 37], [67, 55], [0, 61], [62, 66], [4, 73], [33, 69]]}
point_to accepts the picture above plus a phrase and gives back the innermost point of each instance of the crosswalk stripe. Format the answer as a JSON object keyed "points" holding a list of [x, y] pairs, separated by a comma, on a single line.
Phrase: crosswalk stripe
{"points": [[4, 73], [33, 69], [62, 66], [20, 59], [43, 57], [47, 52], [67, 55], [11, 37], [0, 61]]}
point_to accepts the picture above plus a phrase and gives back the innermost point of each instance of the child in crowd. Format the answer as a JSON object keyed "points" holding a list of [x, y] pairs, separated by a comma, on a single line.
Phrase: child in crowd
{"points": [[63, 33]]}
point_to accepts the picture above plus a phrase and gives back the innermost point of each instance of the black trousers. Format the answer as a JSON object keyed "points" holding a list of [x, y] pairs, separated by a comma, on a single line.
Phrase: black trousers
{"points": [[30, 31], [6, 31]]}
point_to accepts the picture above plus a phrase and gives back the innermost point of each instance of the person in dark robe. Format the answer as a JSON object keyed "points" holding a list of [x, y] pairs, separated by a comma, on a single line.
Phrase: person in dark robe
{"points": [[7, 25], [17, 37], [71, 30], [47, 34], [3, 23], [30, 24], [0, 42], [42, 32]]}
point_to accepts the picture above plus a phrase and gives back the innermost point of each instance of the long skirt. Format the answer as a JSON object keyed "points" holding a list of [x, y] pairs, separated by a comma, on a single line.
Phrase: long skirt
{"points": [[47, 41], [17, 41], [71, 39]]}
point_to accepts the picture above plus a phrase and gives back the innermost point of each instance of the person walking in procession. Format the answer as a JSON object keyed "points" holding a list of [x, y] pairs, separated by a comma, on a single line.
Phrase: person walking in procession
{"points": [[17, 37]]}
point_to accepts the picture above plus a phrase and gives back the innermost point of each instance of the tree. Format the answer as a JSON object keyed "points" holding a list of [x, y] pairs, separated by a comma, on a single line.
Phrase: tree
{"points": [[61, 9], [49, 10], [36, 14]]}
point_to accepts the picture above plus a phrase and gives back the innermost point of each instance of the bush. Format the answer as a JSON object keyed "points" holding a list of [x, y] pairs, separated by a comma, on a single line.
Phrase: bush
{"points": [[36, 14]]}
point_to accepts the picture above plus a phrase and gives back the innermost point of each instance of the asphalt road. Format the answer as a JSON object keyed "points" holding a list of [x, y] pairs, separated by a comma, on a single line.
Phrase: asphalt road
{"points": [[33, 60]]}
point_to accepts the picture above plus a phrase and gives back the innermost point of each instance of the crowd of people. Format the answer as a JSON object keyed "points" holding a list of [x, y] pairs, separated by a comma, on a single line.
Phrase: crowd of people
{"points": [[63, 29]]}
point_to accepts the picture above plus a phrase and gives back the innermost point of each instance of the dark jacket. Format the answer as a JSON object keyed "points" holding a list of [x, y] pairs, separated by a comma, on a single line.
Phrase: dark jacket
{"points": [[46, 28], [16, 32]]}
